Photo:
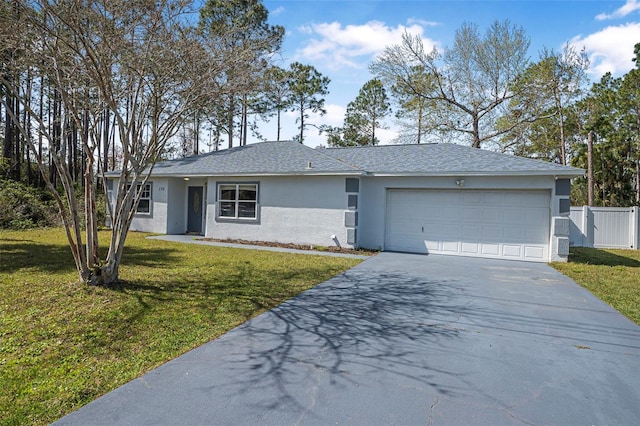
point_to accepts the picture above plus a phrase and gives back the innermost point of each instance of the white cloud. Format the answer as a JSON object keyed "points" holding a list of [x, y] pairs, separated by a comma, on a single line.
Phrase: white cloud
{"points": [[386, 136], [422, 22], [277, 11], [610, 49], [335, 115], [629, 7], [353, 46]]}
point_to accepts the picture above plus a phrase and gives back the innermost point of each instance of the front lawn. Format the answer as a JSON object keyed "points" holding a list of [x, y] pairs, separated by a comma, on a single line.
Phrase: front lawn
{"points": [[612, 275], [62, 344]]}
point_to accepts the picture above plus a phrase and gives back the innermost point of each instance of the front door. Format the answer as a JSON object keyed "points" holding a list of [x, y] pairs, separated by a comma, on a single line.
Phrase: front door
{"points": [[194, 210]]}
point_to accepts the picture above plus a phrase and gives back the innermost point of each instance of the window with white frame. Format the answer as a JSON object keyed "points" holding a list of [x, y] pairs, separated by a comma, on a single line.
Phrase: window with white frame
{"points": [[144, 206], [238, 201]]}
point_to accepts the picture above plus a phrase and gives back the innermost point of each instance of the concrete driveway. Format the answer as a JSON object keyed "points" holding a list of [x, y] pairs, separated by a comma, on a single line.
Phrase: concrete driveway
{"points": [[406, 340]]}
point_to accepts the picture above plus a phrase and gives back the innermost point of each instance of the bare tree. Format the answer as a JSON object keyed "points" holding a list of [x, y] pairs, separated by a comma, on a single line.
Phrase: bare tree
{"points": [[137, 60], [465, 88]]}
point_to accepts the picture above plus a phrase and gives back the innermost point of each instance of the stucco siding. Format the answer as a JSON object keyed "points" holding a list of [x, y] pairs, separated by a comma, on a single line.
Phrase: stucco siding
{"points": [[176, 221], [156, 221], [300, 209]]}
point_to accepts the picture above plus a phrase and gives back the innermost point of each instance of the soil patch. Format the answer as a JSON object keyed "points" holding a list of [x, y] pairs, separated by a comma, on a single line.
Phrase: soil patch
{"points": [[332, 249]]}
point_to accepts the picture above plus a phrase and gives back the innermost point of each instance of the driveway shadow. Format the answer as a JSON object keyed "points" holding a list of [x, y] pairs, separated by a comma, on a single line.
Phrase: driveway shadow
{"points": [[356, 324]]}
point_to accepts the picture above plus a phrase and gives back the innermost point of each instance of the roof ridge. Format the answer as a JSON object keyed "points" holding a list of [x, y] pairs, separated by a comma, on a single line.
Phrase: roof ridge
{"points": [[385, 146], [332, 158]]}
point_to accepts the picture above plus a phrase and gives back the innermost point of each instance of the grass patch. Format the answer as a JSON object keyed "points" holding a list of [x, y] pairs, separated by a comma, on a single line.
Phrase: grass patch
{"points": [[62, 344], [612, 275]]}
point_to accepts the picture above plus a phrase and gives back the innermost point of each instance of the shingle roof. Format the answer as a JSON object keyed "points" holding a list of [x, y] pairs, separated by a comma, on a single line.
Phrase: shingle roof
{"points": [[282, 158], [443, 159], [263, 158]]}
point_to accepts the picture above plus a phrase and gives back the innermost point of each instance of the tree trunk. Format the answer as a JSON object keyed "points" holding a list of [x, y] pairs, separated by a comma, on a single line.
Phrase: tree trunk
{"points": [[17, 140], [27, 124], [196, 134], [230, 112], [590, 169], [476, 132], [278, 131], [105, 139], [420, 106], [40, 135], [245, 120], [301, 124]]}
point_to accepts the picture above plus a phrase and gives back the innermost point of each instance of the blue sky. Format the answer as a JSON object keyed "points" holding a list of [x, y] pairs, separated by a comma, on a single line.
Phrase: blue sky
{"points": [[342, 37]]}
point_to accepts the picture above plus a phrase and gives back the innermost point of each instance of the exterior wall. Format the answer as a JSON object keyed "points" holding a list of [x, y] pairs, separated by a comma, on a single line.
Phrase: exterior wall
{"points": [[373, 200], [176, 209], [168, 206], [291, 209], [156, 221], [329, 210]]}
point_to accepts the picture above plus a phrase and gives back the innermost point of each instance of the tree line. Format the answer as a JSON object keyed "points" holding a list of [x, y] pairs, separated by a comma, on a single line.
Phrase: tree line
{"points": [[238, 46]]}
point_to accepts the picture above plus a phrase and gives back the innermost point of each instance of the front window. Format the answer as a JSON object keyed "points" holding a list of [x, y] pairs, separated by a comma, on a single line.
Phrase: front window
{"points": [[238, 201], [144, 206]]}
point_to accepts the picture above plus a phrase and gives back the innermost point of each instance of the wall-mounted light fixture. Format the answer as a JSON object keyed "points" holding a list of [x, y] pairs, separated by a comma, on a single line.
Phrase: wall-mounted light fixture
{"points": [[186, 179], [459, 182]]}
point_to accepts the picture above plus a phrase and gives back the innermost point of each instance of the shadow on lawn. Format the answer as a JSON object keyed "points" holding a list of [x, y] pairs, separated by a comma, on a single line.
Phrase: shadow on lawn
{"points": [[54, 258], [592, 256]]}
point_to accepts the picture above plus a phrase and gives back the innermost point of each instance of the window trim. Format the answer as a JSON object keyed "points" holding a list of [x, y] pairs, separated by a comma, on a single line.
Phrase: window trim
{"points": [[149, 198], [237, 201]]}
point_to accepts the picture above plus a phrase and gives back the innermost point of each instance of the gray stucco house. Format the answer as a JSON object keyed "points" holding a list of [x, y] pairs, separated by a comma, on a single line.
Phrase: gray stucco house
{"points": [[430, 198]]}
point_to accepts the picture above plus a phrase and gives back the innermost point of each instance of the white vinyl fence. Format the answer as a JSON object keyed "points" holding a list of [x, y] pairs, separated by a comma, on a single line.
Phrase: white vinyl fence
{"points": [[605, 227]]}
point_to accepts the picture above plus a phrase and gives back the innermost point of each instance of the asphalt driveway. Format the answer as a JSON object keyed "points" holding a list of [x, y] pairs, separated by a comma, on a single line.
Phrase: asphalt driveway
{"points": [[406, 340]]}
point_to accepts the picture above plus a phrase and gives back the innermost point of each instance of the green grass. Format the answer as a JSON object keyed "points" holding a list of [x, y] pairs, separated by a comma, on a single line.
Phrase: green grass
{"points": [[62, 343], [612, 275]]}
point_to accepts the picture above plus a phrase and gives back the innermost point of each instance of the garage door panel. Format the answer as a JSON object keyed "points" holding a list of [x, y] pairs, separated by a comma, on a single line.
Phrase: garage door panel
{"points": [[513, 234], [471, 232], [433, 246], [471, 197], [532, 235], [470, 248], [450, 231], [451, 214], [491, 233], [507, 224], [536, 215], [450, 246], [512, 215], [491, 198], [534, 252], [491, 215], [509, 250], [469, 215], [491, 250]]}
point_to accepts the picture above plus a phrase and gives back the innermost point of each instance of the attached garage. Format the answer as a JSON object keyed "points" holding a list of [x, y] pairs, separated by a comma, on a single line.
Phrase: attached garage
{"points": [[483, 223]]}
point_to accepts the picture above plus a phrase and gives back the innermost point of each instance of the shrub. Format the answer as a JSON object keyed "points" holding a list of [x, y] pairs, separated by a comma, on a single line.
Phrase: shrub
{"points": [[23, 207]]}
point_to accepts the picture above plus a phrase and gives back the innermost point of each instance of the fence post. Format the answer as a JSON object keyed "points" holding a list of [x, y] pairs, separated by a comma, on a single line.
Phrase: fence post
{"points": [[587, 226], [634, 216]]}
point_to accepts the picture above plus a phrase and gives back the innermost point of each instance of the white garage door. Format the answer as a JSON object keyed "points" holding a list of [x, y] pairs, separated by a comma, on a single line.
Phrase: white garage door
{"points": [[500, 224]]}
